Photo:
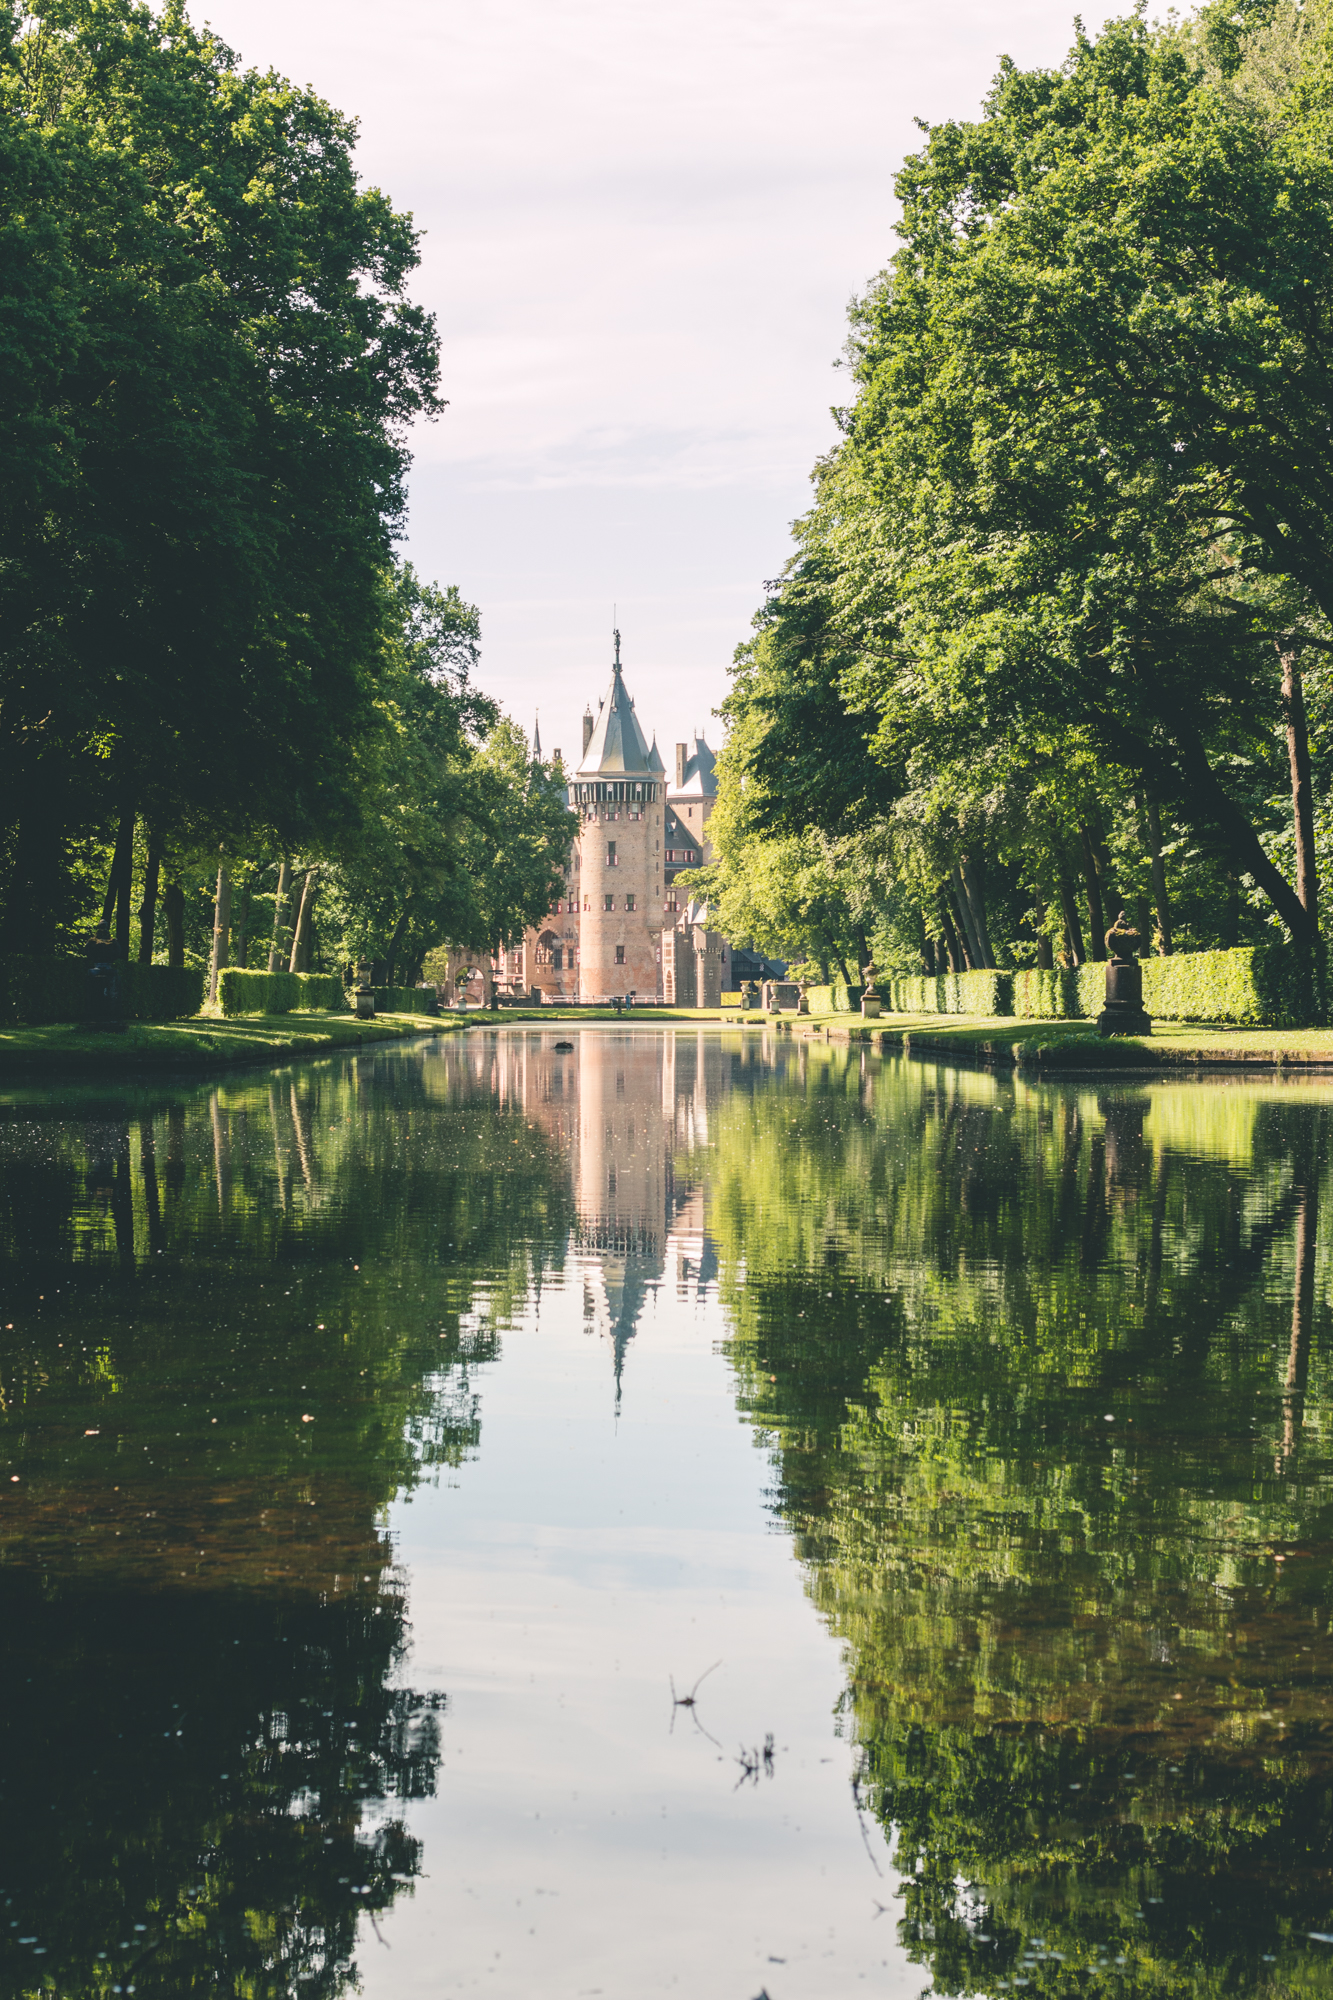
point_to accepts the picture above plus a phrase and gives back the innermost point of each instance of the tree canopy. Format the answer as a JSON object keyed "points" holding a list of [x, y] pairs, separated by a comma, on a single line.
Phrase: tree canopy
{"points": [[209, 363], [1061, 608]]}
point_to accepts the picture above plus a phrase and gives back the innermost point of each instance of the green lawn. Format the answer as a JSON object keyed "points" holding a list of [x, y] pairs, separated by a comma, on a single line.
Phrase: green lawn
{"points": [[206, 1041], [1076, 1044], [214, 1041]]}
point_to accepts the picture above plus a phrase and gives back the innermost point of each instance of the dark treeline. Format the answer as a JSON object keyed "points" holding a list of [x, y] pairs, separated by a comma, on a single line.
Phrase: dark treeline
{"points": [[1055, 638], [210, 658]]}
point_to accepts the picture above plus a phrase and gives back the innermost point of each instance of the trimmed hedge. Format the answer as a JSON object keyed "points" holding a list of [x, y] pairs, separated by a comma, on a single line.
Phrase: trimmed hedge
{"points": [[834, 999], [1264, 985], [1070, 993], [409, 1000], [951, 993], [56, 989], [241, 991]]}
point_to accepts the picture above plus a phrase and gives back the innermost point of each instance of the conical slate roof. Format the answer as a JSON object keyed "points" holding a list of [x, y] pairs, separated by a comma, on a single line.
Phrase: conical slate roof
{"points": [[655, 758], [616, 748]]}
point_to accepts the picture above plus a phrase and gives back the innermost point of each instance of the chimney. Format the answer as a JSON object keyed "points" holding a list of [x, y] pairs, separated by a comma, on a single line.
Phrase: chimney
{"points": [[587, 727], [681, 748]]}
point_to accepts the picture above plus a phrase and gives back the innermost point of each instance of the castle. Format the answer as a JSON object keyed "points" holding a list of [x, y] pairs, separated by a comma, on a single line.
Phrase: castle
{"points": [[619, 927]]}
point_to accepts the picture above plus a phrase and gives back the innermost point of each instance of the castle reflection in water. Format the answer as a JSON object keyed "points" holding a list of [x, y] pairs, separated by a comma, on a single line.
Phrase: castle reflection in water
{"points": [[627, 1107]]}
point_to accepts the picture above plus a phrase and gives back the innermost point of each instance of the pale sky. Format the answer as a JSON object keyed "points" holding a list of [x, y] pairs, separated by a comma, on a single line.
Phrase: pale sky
{"points": [[643, 225]]}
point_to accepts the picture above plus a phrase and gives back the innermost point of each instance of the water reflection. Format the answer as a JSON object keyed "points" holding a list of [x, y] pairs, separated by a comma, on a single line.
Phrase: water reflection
{"points": [[1045, 1376], [238, 1322]]}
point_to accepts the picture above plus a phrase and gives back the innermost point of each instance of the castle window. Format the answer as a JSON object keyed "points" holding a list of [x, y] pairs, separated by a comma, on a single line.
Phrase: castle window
{"points": [[620, 954], [611, 854], [608, 902], [629, 902]]}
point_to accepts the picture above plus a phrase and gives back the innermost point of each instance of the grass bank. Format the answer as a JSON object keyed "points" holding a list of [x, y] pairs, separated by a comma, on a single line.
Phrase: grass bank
{"points": [[215, 1041], [206, 1041], [1062, 1046]]}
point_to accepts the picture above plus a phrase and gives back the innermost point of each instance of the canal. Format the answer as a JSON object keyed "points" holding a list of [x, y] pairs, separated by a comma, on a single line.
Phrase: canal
{"points": [[699, 1512]]}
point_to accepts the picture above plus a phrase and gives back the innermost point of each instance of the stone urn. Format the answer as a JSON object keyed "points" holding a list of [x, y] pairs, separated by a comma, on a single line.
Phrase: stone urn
{"points": [[1123, 1013], [365, 992], [871, 1003]]}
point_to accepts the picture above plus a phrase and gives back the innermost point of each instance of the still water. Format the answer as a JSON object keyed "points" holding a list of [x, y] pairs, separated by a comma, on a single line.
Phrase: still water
{"points": [[705, 1513]]}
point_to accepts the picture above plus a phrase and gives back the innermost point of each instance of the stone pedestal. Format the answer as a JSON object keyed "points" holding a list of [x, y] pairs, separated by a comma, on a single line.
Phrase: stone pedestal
{"points": [[871, 1007], [106, 984], [1123, 1013]]}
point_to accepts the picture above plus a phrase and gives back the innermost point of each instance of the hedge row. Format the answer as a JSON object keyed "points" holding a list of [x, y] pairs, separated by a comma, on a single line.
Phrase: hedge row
{"points": [[951, 993], [241, 991], [406, 1000], [56, 989], [1266, 985], [834, 999]]}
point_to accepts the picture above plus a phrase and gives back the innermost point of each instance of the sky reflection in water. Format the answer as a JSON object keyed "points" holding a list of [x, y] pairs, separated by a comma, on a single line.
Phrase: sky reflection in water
{"points": [[378, 1438]]}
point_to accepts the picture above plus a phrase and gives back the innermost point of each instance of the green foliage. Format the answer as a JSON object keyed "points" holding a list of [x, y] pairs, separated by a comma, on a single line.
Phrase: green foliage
{"points": [[56, 989], [209, 364], [243, 992], [406, 1000], [953, 993], [1081, 505], [1266, 985], [462, 839], [833, 999]]}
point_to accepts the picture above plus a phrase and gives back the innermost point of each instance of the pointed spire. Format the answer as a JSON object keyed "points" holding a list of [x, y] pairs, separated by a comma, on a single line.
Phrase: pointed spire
{"points": [[537, 738]]}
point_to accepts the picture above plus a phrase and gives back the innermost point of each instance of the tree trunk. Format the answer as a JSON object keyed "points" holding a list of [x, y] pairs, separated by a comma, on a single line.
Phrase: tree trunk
{"points": [[1231, 926], [1096, 913], [1150, 832], [148, 907], [395, 943], [970, 873], [173, 904], [1045, 955], [240, 938], [1069, 911], [1302, 799], [951, 943], [966, 932], [305, 923], [116, 905], [1245, 845], [277, 957], [928, 954], [221, 932]]}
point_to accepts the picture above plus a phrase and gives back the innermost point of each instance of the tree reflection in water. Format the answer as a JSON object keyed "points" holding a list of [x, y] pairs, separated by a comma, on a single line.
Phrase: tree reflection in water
{"points": [[239, 1321], [1046, 1377]]}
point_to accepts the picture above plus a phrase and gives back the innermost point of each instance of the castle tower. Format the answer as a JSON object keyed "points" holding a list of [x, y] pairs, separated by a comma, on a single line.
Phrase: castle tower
{"points": [[618, 795]]}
